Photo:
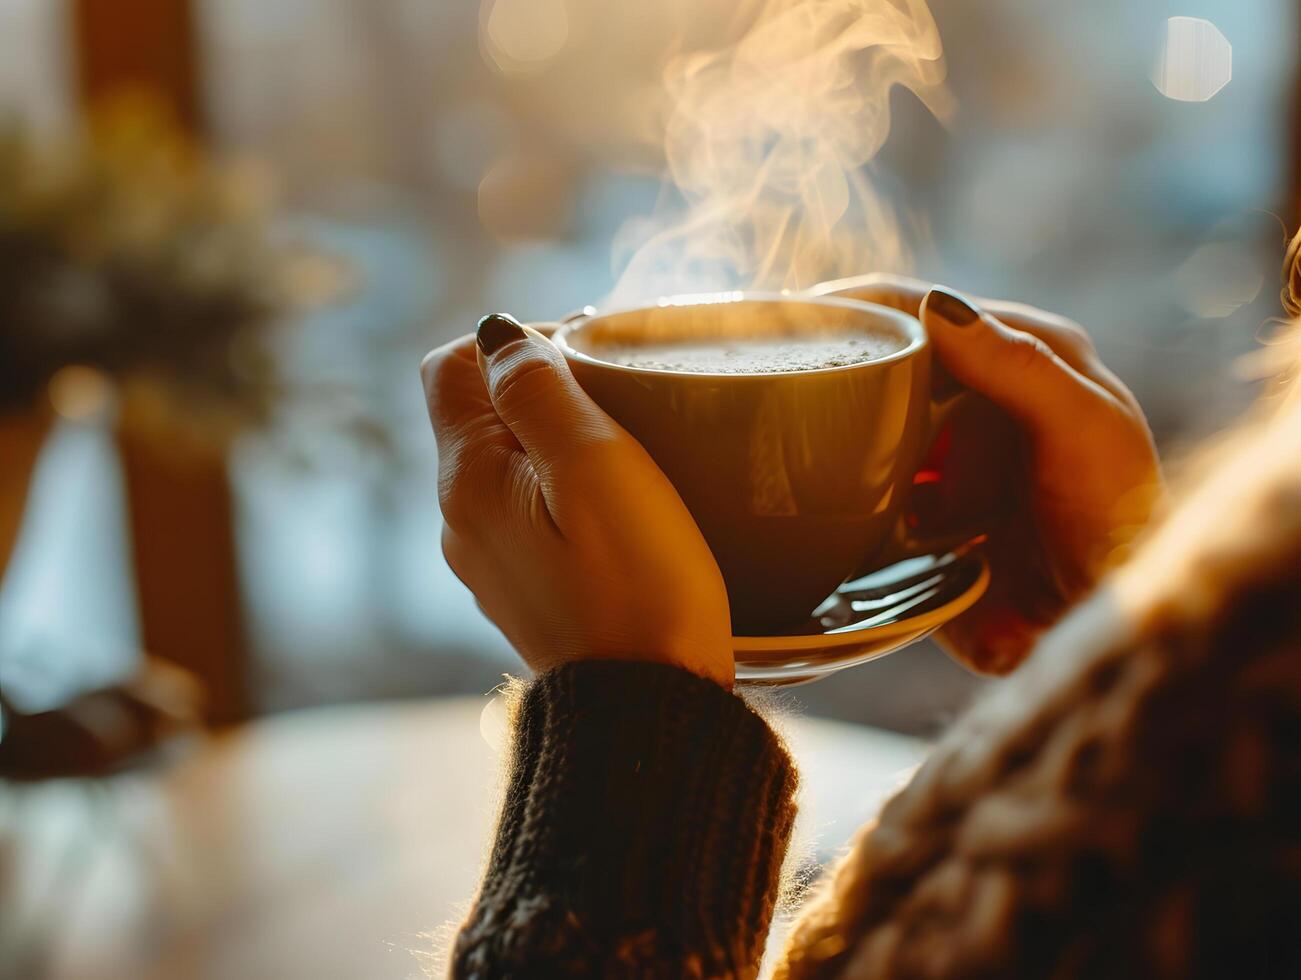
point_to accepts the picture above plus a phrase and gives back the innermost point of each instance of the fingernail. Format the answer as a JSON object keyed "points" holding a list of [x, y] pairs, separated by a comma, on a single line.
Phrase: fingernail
{"points": [[496, 330], [952, 307]]}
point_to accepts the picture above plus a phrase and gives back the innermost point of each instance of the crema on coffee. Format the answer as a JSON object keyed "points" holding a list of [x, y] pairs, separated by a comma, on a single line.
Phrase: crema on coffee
{"points": [[763, 355]]}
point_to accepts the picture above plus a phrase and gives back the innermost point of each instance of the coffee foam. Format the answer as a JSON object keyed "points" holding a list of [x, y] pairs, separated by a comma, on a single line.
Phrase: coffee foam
{"points": [[763, 355]]}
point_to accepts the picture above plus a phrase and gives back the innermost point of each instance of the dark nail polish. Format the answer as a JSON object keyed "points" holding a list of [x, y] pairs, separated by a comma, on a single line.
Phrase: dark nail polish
{"points": [[952, 307], [496, 330]]}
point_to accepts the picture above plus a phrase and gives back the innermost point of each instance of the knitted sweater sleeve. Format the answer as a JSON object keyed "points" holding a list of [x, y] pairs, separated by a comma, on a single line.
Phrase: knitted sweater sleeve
{"points": [[641, 835]]}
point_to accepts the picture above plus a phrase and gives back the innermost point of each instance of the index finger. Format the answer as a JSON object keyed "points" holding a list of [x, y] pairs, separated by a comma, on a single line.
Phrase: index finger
{"points": [[903, 293], [466, 426], [454, 388], [1065, 338]]}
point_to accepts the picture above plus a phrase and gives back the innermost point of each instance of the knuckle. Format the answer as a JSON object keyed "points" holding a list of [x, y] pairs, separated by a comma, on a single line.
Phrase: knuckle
{"points": [[434, 369], [1062, 329], [525, 378], [463, 557], [889, 289], [454, 552], [473, 485], [1011, 310], [429, 367], [1026, 352], [1074, 331], [454, 500], [447, 376], [1072, 335], [459, 497]]}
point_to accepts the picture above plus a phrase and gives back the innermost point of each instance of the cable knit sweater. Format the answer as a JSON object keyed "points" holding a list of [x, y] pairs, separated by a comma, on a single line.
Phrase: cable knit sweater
{"points": [[642, 832]]}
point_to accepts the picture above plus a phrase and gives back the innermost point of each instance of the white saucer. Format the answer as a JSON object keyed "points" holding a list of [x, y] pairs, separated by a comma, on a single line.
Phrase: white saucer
{"points": [[867, 618]]}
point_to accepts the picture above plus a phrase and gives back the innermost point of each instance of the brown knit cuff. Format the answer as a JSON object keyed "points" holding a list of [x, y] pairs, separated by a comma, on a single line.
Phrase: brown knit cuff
{"points": [[642, 834]]}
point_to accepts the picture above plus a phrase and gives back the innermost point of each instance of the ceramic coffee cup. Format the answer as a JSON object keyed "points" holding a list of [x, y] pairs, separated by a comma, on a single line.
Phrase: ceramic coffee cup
{"points": [[797, 479]]}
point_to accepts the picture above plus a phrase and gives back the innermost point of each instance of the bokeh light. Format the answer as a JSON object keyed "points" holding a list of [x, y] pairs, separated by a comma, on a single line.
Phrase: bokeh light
{"points": [[1196, 60], [526, 196], [494, 725], [78, 393], [1219, 279], [523, 35]]}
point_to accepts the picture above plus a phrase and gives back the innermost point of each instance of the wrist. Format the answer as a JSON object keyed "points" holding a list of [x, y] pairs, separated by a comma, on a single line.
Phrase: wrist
{"points": [[708, 658], [724, 675], [631, 784], [719, 668], [711, 660]]}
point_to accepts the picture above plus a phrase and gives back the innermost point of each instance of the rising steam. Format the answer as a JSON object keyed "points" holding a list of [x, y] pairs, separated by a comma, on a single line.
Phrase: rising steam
{"points": [[767, 143]]}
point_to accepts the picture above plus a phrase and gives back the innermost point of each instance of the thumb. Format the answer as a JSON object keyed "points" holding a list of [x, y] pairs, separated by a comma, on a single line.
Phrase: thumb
{"points": [[1012, 368], [534, 393]]}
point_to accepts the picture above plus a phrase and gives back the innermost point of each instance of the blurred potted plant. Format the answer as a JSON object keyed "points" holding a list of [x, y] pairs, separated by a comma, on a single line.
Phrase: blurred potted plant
{"points": [[126, 254]]}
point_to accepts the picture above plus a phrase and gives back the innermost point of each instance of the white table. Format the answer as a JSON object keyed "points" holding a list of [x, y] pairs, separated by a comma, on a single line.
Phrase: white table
{"points": [[331, 843]]}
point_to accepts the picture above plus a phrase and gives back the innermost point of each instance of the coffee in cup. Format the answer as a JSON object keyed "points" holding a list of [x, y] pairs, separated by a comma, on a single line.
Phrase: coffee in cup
{"points": [[755, 355], [791, 426]]}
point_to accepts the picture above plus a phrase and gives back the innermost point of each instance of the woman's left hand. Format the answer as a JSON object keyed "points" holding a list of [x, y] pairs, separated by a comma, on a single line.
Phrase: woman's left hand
{"points": [[1055, 462]]}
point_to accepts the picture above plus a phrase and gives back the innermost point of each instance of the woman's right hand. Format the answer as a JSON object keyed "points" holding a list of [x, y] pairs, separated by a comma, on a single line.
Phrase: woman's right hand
{"points": [[1059, 450], [573, 541]]}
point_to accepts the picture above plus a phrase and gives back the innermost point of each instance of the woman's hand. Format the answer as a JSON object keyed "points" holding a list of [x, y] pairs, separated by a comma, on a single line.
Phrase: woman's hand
{"points": [[1058, 457], [573, 541]]}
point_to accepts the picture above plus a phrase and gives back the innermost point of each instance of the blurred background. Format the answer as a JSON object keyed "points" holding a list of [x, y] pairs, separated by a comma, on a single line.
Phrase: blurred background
{"points": [[232, 227], [461, 158]]}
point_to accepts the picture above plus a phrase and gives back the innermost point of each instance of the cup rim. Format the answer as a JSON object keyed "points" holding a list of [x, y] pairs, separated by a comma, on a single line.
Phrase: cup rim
{"points": [[910, 325]]}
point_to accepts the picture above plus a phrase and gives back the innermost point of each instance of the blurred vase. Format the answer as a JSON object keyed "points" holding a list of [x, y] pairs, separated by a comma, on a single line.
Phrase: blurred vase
{"points": [[22, 433], [181, 513]]}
